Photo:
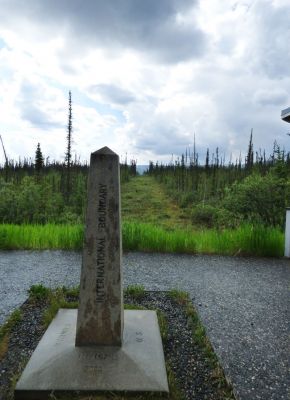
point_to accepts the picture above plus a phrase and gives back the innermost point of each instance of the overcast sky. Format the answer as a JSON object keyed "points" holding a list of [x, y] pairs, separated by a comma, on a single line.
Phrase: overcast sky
{"points": [[145, 76]]}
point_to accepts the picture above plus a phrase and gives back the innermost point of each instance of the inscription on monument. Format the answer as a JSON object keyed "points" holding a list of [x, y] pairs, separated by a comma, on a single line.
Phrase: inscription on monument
{"points": [[93, 370], [97, 356], [100, 280], [101, 244], [139, 337], [102, 207]]}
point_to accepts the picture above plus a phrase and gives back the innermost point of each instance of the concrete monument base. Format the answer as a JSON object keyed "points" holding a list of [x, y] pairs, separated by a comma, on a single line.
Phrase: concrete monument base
{"points": [[58, 366]]}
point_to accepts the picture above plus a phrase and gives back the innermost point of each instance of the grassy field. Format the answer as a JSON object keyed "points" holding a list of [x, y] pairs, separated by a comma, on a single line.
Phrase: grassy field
{"points": [[143, 200], [151, 222]]}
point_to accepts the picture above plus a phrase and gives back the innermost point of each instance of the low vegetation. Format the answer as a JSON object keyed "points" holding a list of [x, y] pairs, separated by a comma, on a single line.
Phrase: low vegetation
{"points": [[135, 291], [39, 237], [246, 239], [5, 329]]}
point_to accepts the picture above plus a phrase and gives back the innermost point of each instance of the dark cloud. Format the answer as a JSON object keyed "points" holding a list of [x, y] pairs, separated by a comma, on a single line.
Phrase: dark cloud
{"points": [[113, 93], [149, 26]]}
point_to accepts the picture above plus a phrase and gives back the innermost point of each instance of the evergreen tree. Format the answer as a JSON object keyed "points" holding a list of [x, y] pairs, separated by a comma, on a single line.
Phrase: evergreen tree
{"points": [[68, 154], [39, 160], [207, 159], [217, 159], [250, 155]]}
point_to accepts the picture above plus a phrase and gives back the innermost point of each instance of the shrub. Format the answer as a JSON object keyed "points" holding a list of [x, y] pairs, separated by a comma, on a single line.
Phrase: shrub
{"points": [[136, 291], [38, 292], [227, 219], [187, 199], [205, 215], [259, 199]]}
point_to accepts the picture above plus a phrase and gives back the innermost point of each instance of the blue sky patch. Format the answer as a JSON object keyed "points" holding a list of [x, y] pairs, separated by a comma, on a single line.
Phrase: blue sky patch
{"points": [[2, 43], [102, 108]]}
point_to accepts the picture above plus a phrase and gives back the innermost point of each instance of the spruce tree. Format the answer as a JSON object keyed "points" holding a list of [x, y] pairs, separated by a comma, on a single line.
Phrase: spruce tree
{"points": [[207, 160], [39, 160], [250, 155], [68, 148]]}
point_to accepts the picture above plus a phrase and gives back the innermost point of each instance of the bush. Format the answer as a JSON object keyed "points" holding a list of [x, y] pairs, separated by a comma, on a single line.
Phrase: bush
{"points": [[259, 199], [38, 292], [186, 199], [205, 215], [136, 291], [228, 219]]}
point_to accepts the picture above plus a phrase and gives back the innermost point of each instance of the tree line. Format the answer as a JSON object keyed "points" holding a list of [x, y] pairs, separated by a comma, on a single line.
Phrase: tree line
{"points": [[37, 190], [219, 195]]}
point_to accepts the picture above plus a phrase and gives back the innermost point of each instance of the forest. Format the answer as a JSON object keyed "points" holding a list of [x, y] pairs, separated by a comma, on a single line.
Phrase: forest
{"points": [[214, 195], [34, 192]]}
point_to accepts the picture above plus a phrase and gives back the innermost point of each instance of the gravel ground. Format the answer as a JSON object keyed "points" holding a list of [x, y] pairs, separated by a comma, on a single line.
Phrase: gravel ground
{"points": [[244, 304], [195, 377]]}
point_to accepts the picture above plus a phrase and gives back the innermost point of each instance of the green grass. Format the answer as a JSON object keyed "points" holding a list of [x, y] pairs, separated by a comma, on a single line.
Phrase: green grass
{"points": [[38, 292], [144, 200], [39, 237], [255, 240], [135, 291], [245, 240], [5, 329]]}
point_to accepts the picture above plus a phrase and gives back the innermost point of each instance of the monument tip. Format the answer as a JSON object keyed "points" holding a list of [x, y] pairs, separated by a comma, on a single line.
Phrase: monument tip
{"points": [[105, 151]]}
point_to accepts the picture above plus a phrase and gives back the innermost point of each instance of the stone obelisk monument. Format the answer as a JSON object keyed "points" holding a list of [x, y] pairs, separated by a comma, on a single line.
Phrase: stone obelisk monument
{"points": [[99, 347], [101, 316]]}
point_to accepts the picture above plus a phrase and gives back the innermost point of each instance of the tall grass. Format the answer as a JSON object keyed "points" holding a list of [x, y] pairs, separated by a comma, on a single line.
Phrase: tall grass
{"points": [[255, 240], [245, 240], [39, 237]]}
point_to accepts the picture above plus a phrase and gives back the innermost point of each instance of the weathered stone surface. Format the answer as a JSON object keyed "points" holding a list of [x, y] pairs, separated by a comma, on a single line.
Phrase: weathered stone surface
{"points": [[100, 314], [57, 365]]}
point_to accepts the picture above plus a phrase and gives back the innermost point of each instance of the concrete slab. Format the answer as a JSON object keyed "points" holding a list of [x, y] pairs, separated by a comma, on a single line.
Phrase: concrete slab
{"points": [[57, 365]]}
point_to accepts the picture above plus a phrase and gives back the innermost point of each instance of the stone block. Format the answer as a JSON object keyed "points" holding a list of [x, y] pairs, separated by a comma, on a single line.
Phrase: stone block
{"points": [[57, 365]]}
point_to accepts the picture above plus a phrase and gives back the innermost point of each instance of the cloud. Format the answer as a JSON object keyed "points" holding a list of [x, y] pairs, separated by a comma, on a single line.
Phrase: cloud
{"points": [[31, 102], [113, 94], [155, 28], [272, 97], [268, 49]]}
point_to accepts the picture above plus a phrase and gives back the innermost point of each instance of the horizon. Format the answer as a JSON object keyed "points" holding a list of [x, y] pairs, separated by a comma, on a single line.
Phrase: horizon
{"points": [[224, 160]]}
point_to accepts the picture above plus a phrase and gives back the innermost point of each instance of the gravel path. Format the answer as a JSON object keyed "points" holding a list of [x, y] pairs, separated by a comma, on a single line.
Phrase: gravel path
{"points": [[243, 302]]}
